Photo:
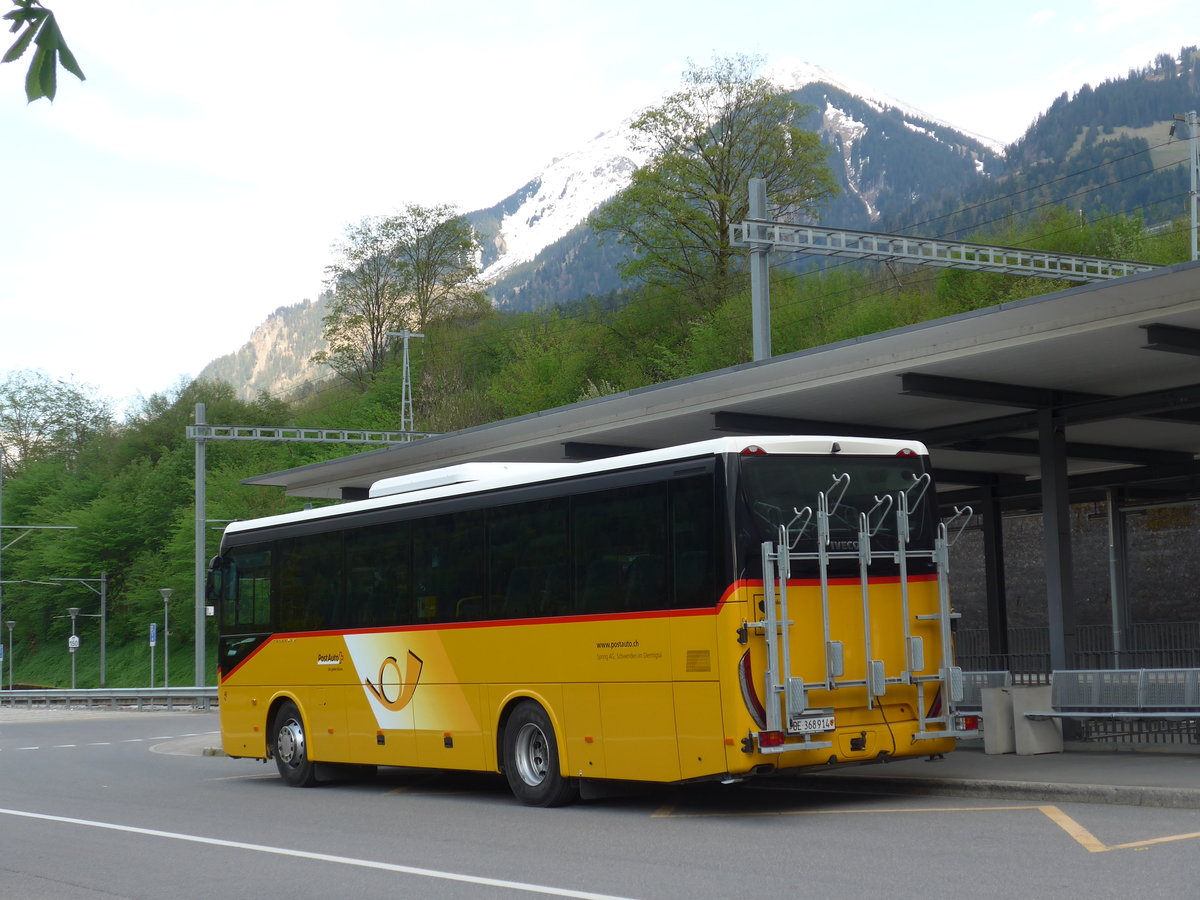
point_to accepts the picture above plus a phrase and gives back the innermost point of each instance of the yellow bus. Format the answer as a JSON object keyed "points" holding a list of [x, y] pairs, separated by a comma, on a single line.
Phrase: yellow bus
{"points": [[716, 610]]}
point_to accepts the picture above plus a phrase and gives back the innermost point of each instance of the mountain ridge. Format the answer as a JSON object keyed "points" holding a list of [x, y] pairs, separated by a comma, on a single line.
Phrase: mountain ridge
{"points": [[897, 166]]}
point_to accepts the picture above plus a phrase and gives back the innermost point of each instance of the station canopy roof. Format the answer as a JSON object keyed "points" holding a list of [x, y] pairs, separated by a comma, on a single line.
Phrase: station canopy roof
{"points": [[1117, 362]]}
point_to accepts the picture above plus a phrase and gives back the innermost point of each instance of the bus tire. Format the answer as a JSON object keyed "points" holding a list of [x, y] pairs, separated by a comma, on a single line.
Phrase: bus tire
{"points": [[289, 746], [531, 762]]}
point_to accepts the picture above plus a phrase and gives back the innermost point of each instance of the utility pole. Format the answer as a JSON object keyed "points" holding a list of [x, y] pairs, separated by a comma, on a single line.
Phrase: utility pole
{"points": [[1189, 120], [199, 562], [406, 413], [760, 273]]}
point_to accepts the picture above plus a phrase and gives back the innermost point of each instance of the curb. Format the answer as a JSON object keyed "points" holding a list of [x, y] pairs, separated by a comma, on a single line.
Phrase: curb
{"points": [[1030, 791]]}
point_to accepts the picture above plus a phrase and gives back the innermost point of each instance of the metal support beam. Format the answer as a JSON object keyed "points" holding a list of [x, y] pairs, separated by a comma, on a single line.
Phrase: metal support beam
{"points": [[993, 573], [1172, 338], [1075, 450], [845, 242], [745, 423], [760, 274], [971, 390], [302, 435], [583, 450], [1117, 576], [201, 432], [1056, 518], [200, 569]]}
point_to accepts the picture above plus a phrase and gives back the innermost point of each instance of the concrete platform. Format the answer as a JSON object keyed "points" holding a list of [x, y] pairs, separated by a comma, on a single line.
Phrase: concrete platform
{"points": [[1142, 775]]}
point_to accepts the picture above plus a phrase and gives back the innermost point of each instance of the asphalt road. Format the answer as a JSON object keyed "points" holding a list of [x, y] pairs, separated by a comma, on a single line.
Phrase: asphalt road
{"points": [[106, 805]]}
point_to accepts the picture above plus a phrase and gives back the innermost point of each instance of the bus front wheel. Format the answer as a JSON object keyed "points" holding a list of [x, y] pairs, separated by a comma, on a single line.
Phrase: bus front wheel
{"points": [[531, 759], [290, 747]]}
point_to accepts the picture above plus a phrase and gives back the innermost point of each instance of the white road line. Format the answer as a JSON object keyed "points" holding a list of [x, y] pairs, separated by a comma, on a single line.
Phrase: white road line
{"points": [[322, 857]]}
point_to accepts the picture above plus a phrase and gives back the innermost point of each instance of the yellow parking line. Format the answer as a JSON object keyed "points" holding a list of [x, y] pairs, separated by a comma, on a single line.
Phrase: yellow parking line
{"points": [[668, 812], [1077, 832]]}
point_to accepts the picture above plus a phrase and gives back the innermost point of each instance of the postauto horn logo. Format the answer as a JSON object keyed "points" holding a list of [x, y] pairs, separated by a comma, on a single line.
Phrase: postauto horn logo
{"points": [[403, 684]]}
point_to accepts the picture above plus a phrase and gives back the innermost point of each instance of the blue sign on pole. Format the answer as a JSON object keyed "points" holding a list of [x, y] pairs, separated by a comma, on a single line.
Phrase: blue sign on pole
{"points": [[153, 633]]}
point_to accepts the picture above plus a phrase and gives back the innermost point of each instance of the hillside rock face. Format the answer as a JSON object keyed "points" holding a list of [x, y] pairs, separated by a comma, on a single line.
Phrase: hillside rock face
{"points": [[277, 358]]}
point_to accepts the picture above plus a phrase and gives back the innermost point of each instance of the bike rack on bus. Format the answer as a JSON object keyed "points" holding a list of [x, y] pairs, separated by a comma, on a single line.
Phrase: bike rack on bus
{"points": [[787, 695]]}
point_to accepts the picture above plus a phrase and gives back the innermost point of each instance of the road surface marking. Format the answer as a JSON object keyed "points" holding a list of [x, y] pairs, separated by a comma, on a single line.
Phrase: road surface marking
{"points": [[322, 857], [1078, 833]]}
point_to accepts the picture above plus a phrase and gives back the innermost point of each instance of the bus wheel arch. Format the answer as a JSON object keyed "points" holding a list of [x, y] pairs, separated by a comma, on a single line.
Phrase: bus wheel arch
{"points": [[530, 756], [287, 743]]}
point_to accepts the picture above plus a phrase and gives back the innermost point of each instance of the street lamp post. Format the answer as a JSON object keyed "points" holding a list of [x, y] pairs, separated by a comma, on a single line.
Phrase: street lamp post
{"points": [[103, 616], [73, 642], [166, 595], [11, 626]]}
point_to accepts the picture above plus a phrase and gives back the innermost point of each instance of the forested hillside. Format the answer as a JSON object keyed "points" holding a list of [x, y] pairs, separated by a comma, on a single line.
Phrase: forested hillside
{"points": [[126, 488], [1104, 150], [115, 497]]}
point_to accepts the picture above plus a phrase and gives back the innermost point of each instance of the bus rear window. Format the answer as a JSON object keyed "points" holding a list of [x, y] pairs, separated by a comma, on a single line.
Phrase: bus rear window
{"points": [[782, 491]]}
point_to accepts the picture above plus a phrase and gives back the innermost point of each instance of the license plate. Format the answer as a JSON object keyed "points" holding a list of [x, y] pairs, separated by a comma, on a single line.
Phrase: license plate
{"points": [[810, 724]]}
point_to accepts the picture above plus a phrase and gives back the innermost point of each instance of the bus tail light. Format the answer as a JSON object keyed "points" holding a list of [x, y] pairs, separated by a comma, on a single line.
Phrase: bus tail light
{"points": [[907, 453], [753, 450], [749, 695], [771, 738]]}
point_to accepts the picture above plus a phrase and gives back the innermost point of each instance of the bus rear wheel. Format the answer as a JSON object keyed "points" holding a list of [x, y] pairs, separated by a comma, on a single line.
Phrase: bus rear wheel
{"points": [[531, 759], [290, 747]]}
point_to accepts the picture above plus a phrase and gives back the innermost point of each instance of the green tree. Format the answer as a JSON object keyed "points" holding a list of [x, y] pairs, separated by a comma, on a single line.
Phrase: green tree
{"points": [[436, 249], [725, 126], [41, 29], [44, 417], [395, 272], [367, 286]]}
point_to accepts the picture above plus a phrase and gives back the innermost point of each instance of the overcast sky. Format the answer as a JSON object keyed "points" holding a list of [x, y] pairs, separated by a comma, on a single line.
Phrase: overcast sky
{"points": [[154, 215]]}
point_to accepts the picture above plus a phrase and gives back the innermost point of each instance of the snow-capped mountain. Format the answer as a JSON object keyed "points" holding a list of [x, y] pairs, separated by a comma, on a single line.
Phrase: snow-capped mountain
{"points": [[792, 75], [538, 251], [885, 154], [562, 196]]}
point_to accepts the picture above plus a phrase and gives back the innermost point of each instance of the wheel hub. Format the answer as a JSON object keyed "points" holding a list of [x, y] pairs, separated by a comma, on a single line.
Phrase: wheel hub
{"points": [[290, 744], [531, 754]]}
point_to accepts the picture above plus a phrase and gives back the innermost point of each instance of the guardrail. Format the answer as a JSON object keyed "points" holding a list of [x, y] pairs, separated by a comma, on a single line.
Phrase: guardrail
{"points": [[139, 698]]}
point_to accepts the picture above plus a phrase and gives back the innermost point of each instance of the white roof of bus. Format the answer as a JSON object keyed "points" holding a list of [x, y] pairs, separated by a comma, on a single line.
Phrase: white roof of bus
{"points": [[472, 478]]}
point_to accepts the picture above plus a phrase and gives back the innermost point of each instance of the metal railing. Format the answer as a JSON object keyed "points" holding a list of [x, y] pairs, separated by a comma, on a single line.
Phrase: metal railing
{"points": [[126, 698], [1150, 645]]}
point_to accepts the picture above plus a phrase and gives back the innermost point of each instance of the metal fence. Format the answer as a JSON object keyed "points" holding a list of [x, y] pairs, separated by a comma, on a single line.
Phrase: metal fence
{"points": [[1148, 645]]}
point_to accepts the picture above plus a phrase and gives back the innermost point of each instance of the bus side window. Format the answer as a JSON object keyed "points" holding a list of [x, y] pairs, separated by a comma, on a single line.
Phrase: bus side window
{"points": [[310, 582], [379, 576], [693, 541], [246, 589], [613, 529], [646, 583], [448, 567], [525, 541]]}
